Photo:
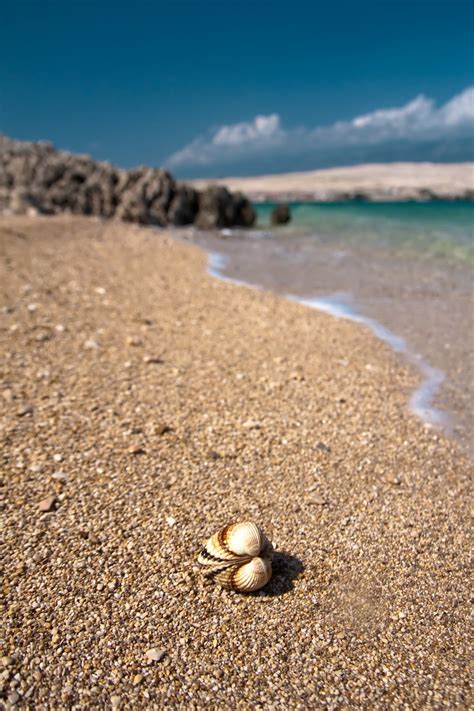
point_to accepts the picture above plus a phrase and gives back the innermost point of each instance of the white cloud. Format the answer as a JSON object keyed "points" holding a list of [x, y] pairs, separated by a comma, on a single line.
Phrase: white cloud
{"points": [[398, 120], [261, 129], [460, 109], [260, 134], [418, 120]]}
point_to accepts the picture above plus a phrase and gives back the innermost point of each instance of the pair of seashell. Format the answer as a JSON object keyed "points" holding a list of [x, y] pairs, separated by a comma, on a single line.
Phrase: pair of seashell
{"points": [[238, 557]]}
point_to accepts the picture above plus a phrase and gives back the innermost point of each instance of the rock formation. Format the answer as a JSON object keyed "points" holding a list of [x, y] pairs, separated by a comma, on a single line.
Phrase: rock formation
{"points": [[37, 179], [280, 214]]}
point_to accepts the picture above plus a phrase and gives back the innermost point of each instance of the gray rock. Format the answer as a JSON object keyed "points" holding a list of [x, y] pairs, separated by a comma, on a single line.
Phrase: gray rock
{"points": [[184, 206], [22, 202], [219, 208], [35, 178], [281, 214], [215, 205]]}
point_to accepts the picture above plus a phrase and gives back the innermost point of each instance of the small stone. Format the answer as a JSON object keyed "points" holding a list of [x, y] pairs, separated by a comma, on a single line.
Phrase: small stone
{"points": [[214, 455], [154, 654], [170, 521], [251, 425], [60, 328], [7, 661], [25, 410], [58, 457], [7, 395], [153, 359], [60, 476], [115, 701], [297, 375], [323, 447], [47, 504], [100, 290], [91, 345], [317, 499], [43, 337], [135, 449], [134, 341], [137, 679], [14, 697], [32, 307], [162, 429]]}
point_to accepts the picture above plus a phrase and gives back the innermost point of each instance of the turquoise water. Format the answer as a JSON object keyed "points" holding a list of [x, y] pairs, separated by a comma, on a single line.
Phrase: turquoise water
{"points": [[437, 229]]}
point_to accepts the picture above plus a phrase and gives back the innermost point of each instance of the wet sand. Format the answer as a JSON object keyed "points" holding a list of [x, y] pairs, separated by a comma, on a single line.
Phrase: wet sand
{"points": [[128, 380], [427, 302]]}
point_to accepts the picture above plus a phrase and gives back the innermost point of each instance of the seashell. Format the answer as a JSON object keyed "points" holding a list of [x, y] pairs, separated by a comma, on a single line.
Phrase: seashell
{"points": [[238, 557]]}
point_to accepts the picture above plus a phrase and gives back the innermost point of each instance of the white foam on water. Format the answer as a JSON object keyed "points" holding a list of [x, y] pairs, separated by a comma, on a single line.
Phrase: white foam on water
{"points": [[216, 263], [341, 306]]}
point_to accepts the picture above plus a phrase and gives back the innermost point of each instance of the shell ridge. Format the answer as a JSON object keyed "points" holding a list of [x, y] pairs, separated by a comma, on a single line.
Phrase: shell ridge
{"points": [[238, 557]]}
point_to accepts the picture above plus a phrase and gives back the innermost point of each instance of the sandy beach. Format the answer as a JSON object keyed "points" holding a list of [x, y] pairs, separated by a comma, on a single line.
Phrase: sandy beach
{"points": [[378, 182], [145, 404], [425, 300]]}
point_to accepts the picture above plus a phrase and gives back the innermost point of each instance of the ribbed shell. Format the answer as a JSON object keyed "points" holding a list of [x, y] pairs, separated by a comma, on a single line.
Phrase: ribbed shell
{"points": [[238, 557]]}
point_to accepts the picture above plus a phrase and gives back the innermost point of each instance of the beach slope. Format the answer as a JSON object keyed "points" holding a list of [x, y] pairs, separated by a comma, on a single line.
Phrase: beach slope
{"points": [[144, 405]]}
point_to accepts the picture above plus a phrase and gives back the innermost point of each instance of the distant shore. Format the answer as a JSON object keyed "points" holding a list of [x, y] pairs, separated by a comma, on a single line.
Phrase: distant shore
{"points": [[378, 182]]}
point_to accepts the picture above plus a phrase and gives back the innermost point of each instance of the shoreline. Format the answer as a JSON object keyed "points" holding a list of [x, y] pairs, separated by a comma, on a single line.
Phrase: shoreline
{"points": [[408, 299], [421, 400], [155, 403]]}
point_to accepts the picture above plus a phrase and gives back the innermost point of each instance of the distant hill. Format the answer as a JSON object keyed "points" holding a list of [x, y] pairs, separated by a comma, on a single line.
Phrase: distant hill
{"points": [[377, 182]]}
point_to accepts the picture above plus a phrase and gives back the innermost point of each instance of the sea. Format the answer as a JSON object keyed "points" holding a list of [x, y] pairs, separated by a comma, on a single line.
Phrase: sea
{"points": [[403, 271]]}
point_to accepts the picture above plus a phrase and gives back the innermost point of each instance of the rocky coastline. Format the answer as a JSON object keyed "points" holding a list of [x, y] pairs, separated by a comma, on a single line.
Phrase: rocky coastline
{"points": [[35, 178]]}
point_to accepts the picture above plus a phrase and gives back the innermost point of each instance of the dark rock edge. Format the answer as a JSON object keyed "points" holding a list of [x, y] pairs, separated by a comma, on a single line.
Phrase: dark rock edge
{"points": [[35, 178]]}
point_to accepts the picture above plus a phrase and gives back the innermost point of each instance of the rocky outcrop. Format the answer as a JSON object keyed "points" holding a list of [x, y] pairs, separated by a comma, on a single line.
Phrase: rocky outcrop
{"points": [[37, 179], [280, 214], [220, 208]]}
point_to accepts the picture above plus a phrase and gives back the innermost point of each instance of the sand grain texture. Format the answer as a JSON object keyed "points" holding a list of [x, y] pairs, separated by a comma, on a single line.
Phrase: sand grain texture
{"points": [[127, 381]]}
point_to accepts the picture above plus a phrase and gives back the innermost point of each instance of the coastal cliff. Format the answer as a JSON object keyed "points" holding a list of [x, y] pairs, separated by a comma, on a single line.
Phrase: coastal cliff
{"points": [[35, 178]]}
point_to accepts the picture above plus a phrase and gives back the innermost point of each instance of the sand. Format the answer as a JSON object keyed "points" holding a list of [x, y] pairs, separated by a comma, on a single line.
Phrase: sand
{"points": [[428, 302], [128, 380], [381, 181]]}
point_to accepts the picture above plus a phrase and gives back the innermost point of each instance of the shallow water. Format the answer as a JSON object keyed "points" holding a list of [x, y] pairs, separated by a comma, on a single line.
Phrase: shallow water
{"points": [[443, 229], [403, 270]]}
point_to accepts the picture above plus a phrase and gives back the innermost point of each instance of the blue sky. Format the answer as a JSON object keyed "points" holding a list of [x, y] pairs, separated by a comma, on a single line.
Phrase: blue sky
{"points": [[214, 88]]}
